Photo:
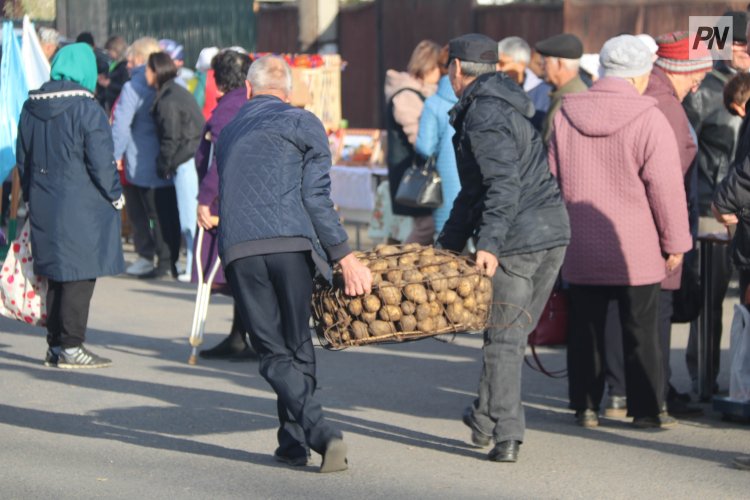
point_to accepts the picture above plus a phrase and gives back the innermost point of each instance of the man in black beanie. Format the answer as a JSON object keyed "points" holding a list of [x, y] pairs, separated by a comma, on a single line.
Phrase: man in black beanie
{"points": [[717, 131]]}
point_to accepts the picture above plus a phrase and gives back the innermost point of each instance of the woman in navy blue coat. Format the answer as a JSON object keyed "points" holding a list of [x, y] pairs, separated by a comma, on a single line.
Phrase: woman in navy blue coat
{"points": [[70, 182]]}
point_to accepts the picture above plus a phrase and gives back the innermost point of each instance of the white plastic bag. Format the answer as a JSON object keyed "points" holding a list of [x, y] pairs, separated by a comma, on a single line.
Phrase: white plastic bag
{"points": [[23, 296], [739, 349]]}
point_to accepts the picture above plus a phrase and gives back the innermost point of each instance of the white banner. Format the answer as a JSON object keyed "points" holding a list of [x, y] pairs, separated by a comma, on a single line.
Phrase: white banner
{"points": [[35, 64]]}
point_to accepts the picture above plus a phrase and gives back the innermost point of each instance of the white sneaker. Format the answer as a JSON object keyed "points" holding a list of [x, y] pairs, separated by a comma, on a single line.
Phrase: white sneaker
{"points": [[181, 269], [140, 266], [184, 278]]}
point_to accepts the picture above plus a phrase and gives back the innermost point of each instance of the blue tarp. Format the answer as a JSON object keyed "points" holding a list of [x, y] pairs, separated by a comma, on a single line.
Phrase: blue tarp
{"points": [[13, 93]]}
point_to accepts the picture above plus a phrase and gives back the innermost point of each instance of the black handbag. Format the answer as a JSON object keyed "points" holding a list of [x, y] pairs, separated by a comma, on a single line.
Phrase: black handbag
{"points": [[421, 187]]}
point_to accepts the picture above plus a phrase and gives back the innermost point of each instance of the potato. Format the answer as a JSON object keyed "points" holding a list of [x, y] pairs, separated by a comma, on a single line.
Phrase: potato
{"points": [[392, 262], [426, 260], [406, 261], [408, 307], [369, 316], [408, 323], [328, 318], [474, 279], [333, 336], [431, 296], [447, 297], [485, 284], [438, 282], [416, 293], [453, 278], [343, 320], [360, 330], [470, 303], [390, 293], [428, 251], [385, 250], [377, 278], [378, 266], [412, 247], [345, 337], [451, 265], [467, 318], [441, 323], [442, 259], [431, 269], [395, 276], [464, 287], [427, 325], [455, 312], [435, 309], [355, 307], [484, 297], [390, 313], [413, 276], [372, 303], [379, 328], [329, 304], [424, 311]]}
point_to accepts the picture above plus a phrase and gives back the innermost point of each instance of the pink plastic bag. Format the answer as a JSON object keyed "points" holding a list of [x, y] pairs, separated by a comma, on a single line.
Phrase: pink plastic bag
{"points": [[22, 295]]}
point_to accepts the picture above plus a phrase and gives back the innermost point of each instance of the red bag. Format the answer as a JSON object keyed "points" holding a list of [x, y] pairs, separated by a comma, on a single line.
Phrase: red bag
{"points": [[552, 329]]}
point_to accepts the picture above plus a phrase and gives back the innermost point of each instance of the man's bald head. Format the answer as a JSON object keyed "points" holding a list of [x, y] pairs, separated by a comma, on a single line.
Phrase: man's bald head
{"points": [[270, 75]]}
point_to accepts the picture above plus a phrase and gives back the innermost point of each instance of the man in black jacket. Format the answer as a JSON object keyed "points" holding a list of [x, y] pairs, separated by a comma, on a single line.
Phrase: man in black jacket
{"points": [[277, 225], [511, 204], [718, 134]]}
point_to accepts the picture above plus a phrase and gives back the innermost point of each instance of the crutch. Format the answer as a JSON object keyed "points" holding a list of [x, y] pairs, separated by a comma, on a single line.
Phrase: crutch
{"points": [[202, 297]]}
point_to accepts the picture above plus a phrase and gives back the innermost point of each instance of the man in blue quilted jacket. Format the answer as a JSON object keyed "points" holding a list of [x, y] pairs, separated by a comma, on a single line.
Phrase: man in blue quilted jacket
{"points": [[277, 226]]}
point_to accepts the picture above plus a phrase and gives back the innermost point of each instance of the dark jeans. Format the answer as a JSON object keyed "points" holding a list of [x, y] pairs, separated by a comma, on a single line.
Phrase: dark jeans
{"points": [[614, 358], [273, 294], [522, 284], [722, 273], [68, 312], [639, 319], [156, 223], [140, 214]]}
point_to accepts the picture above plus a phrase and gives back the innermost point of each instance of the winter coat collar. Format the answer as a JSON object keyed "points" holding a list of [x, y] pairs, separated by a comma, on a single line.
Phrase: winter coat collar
{"points": [[495, 85]]}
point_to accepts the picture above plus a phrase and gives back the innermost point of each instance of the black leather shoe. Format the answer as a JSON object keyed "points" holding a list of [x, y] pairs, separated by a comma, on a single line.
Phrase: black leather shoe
{"points": [[478, 437], [678, 408], [294, 461], [505, 451], [587, 418]]}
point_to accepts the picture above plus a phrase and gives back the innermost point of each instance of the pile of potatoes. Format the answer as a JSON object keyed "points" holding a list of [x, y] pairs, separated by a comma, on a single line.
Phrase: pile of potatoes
{"points": [[417, 292]]}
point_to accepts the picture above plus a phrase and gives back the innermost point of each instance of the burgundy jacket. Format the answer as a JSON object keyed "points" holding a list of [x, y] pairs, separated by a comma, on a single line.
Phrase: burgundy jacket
{"points": [[661, 89]]}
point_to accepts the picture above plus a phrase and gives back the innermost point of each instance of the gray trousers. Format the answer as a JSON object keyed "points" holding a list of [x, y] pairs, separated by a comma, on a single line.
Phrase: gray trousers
{"points": [[522, 284]]}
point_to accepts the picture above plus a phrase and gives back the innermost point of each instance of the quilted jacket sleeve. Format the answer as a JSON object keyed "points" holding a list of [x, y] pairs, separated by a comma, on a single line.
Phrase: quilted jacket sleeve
{"points": [[316, 186], [733, 193]]}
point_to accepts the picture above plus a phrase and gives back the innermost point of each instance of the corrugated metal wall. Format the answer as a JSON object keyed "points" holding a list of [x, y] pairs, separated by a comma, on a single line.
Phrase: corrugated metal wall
{"points": [[595, 21], [277, 29], [193, 23], [531, 22]]}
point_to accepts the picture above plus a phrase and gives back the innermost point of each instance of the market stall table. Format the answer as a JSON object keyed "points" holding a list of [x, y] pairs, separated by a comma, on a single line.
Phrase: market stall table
{"points": [[353, 192]]}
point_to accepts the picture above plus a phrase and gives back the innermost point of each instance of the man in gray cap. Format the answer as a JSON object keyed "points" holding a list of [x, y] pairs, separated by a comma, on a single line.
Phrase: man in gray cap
{"points": [[510, 205], [562, 60], [718, 134]]}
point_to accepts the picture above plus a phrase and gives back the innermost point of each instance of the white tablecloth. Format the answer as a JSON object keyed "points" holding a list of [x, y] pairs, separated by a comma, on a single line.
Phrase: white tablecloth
{"points": [[353, 188]]}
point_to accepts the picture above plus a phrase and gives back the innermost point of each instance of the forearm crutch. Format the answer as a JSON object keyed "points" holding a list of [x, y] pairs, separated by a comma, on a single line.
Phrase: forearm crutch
{"points": [[203, 295]]}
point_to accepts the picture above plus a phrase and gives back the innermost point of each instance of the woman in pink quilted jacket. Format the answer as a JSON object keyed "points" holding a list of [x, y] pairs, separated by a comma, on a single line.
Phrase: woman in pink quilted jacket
{"points": [[617, 162]]}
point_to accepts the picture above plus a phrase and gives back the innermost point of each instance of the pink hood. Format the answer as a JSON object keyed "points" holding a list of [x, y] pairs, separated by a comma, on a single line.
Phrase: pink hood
{"points": [[613, 98]]}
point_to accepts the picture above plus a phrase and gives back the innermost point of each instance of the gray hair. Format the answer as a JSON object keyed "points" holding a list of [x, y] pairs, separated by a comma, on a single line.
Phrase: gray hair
{"points": [[49, 35], [470, 68], [270, 73], [569, 64], [516, 48]]}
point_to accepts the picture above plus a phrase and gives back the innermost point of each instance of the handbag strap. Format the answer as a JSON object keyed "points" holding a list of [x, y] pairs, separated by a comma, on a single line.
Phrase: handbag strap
{"points": [[539, 367]]}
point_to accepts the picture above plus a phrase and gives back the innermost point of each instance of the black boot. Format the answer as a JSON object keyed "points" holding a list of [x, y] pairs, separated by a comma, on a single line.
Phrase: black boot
{"points": [[234, 346]]}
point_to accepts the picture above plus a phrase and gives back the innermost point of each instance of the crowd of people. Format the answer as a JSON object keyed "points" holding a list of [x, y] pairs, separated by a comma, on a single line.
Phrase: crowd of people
{"points": [[591, 177]]}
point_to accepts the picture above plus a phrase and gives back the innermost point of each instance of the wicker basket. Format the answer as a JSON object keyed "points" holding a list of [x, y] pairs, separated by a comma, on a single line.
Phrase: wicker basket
{"points": [[419, 292]]}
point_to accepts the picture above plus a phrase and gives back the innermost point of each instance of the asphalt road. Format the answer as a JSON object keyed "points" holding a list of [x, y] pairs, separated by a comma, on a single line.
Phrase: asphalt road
{"points": [[151, 426]]}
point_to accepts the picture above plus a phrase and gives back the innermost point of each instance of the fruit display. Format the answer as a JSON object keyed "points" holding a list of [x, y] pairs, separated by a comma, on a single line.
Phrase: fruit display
{"points": [[417, 292]]}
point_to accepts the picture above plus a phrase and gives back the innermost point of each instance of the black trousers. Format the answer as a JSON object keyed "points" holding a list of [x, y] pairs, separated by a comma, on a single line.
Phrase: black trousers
{"points": [[639, 316], [614, 359], [273, 294], [68, 312], [156, 223]]}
